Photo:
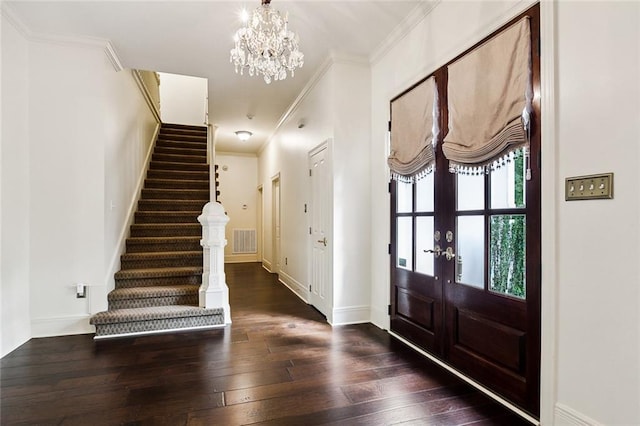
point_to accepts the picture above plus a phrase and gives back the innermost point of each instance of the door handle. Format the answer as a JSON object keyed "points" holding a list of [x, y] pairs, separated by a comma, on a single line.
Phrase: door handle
{"points": [[323, 241], [436, 250], [448, 253]]}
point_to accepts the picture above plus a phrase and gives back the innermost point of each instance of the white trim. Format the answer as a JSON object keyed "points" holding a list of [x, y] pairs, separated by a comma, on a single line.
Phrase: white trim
{"points": [[351, 315], [296, 287], [267, 266], [237, 154], [472, 382], [137, 77], [113, 57], [61, 326], [568, 416], [114, 264], [151, 332], [380, 318], [241, 258], [549, 197], [413, 18]]}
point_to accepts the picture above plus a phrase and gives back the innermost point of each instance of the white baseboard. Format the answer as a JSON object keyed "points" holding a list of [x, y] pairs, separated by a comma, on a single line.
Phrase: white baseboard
{"points": [[148, 333], [266, 265], [351, 315], [61, 326], [240, 258], [296, 287], [565, 415], [380, 317]]}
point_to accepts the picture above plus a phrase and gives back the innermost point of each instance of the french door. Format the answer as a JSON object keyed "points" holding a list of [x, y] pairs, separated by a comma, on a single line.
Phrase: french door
{"points": [[465, 265]]}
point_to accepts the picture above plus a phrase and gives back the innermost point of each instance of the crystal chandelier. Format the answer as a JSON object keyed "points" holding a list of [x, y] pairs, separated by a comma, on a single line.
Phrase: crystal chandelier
{"points": [[265, 45]]}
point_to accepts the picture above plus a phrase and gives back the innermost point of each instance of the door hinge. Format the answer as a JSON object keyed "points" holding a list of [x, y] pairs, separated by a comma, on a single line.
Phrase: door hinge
{"points": [[309, 172], [389, 310], [309, 287], [389, 249], [389, 125], [309, 230]]}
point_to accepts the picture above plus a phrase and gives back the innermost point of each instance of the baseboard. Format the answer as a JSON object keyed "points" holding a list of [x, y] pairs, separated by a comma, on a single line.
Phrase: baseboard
{"points": [[351, 315], [380, 317], [148, 333], [114, 264], [565, 415], [61, 326], [266, 265], [241, 258], [296, 287]]}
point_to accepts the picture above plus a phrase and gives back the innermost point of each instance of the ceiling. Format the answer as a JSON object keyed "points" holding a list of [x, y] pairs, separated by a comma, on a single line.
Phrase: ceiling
{"points": [[194, 38]]}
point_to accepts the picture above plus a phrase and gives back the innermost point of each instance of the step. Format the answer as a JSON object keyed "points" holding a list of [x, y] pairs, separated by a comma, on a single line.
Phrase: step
{"points": [[183, 167], [166, 136], [170, 259], [157, 277], [166, 230], [171, 205], [167, 217], [178, 175], [141, 297], [122, 322], [183, 127], [150, 244], [179, 158], [176, 184], [175, 194], [180, 151], [180, 144]]}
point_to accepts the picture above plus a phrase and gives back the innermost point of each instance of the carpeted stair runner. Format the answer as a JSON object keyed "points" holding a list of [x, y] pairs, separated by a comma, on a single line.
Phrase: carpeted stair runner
{"points": [[161, 271]]}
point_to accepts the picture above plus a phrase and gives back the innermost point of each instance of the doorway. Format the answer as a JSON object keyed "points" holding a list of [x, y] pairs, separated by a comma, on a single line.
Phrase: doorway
{"points": [[320, 289]]}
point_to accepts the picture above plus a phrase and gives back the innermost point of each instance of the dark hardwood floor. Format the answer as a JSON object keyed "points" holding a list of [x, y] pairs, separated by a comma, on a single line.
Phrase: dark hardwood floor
{"points": [[280, 363]]}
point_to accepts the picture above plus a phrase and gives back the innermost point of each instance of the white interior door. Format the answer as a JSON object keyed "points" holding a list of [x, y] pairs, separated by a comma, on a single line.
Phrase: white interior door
{"points": [[276, 224], [321, 289]]}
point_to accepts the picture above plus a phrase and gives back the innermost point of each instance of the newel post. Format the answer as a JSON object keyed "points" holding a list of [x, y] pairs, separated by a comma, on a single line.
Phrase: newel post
{"points": [[214, 292]]}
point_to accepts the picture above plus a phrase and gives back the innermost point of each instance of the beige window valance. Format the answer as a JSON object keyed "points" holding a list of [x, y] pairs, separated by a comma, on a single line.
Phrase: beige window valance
{"points": [[489, 98], [412, 132]]}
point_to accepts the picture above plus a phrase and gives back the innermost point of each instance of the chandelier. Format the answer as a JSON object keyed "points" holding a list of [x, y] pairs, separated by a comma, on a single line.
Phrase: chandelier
{"points": [[265, 45]]}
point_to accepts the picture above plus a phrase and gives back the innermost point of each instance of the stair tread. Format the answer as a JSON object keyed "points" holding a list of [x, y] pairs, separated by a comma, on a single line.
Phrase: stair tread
{"points": [[152, 291], [151, 313], [156, 239], [174, 271], [161, 254]]}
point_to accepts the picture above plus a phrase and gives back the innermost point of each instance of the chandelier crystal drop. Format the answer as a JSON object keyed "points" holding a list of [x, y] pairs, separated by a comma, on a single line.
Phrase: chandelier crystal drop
{"points": [[264, 45]]}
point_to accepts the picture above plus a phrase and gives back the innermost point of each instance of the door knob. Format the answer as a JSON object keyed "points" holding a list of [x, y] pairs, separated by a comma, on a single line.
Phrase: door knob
{"points": [[323, 241]]}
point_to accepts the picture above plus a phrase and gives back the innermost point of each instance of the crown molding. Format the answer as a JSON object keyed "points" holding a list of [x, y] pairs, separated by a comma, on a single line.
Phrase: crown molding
{"points": [[74, 41], [414, 18]]}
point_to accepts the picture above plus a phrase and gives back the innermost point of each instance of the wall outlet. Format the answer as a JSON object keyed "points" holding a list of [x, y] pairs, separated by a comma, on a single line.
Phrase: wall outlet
{"points": [[81, 291]]}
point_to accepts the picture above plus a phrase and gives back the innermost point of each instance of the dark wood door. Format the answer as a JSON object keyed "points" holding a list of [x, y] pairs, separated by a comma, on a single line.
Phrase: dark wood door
{"points": [[478, 306]]}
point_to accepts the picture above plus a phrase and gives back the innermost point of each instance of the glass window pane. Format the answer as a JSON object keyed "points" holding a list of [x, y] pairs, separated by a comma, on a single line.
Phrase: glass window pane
{"points": [[507, 255], [470, 194], [470, 251], [424, 193], [508, 183], [404, 243], [424, 241], [404, 195]]}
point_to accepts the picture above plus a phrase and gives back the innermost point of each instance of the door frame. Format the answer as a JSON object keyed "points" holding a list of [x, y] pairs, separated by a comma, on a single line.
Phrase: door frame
{"points": [[260, 223], [276, 218]]}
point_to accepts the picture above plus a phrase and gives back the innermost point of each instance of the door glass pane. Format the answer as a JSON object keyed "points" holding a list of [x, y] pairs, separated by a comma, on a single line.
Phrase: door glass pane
{"points": [[507, 255], [470, 251], [424, 241], [404, 194], [470, 194], [404, 243], [424, 193], [508, 183]]}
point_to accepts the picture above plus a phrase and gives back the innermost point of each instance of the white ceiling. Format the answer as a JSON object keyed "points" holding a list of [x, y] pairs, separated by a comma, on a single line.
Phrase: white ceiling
{"points": [[195, 37]]}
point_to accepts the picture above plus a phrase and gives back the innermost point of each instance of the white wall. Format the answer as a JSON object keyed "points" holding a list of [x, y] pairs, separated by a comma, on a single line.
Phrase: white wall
{"points": [[183, 99], [78, 138], [14, 204], [591, 297], [335, 107], [238, 188]]}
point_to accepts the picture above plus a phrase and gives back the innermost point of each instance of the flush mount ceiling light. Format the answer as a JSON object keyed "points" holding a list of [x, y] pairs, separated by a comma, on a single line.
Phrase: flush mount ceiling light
{"points": [[243, 135], [265, 45]]}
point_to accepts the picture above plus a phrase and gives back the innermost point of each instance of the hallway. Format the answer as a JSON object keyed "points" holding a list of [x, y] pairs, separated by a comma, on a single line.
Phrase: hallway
{"points": [[279, 363]]}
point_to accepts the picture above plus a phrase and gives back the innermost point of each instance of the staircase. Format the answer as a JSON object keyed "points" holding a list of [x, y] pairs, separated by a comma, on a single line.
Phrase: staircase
{"points": [[157, 287]]}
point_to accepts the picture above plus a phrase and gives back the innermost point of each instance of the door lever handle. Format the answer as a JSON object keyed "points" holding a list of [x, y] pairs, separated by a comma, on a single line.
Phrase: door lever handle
{"points": [[323, 241], [448, 253], [436, 251]]}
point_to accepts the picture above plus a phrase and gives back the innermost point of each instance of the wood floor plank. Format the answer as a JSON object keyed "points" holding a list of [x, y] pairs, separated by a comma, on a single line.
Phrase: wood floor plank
{"points": [[279, 363]]}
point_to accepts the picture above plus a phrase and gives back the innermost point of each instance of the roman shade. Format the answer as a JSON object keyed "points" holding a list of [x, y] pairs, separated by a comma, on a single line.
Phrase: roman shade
{"points": [[412, 132], [489, 100]]}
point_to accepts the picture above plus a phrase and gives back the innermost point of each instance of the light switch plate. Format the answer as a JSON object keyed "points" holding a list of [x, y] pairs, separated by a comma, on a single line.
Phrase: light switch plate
{"points": [[589, 187]]}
